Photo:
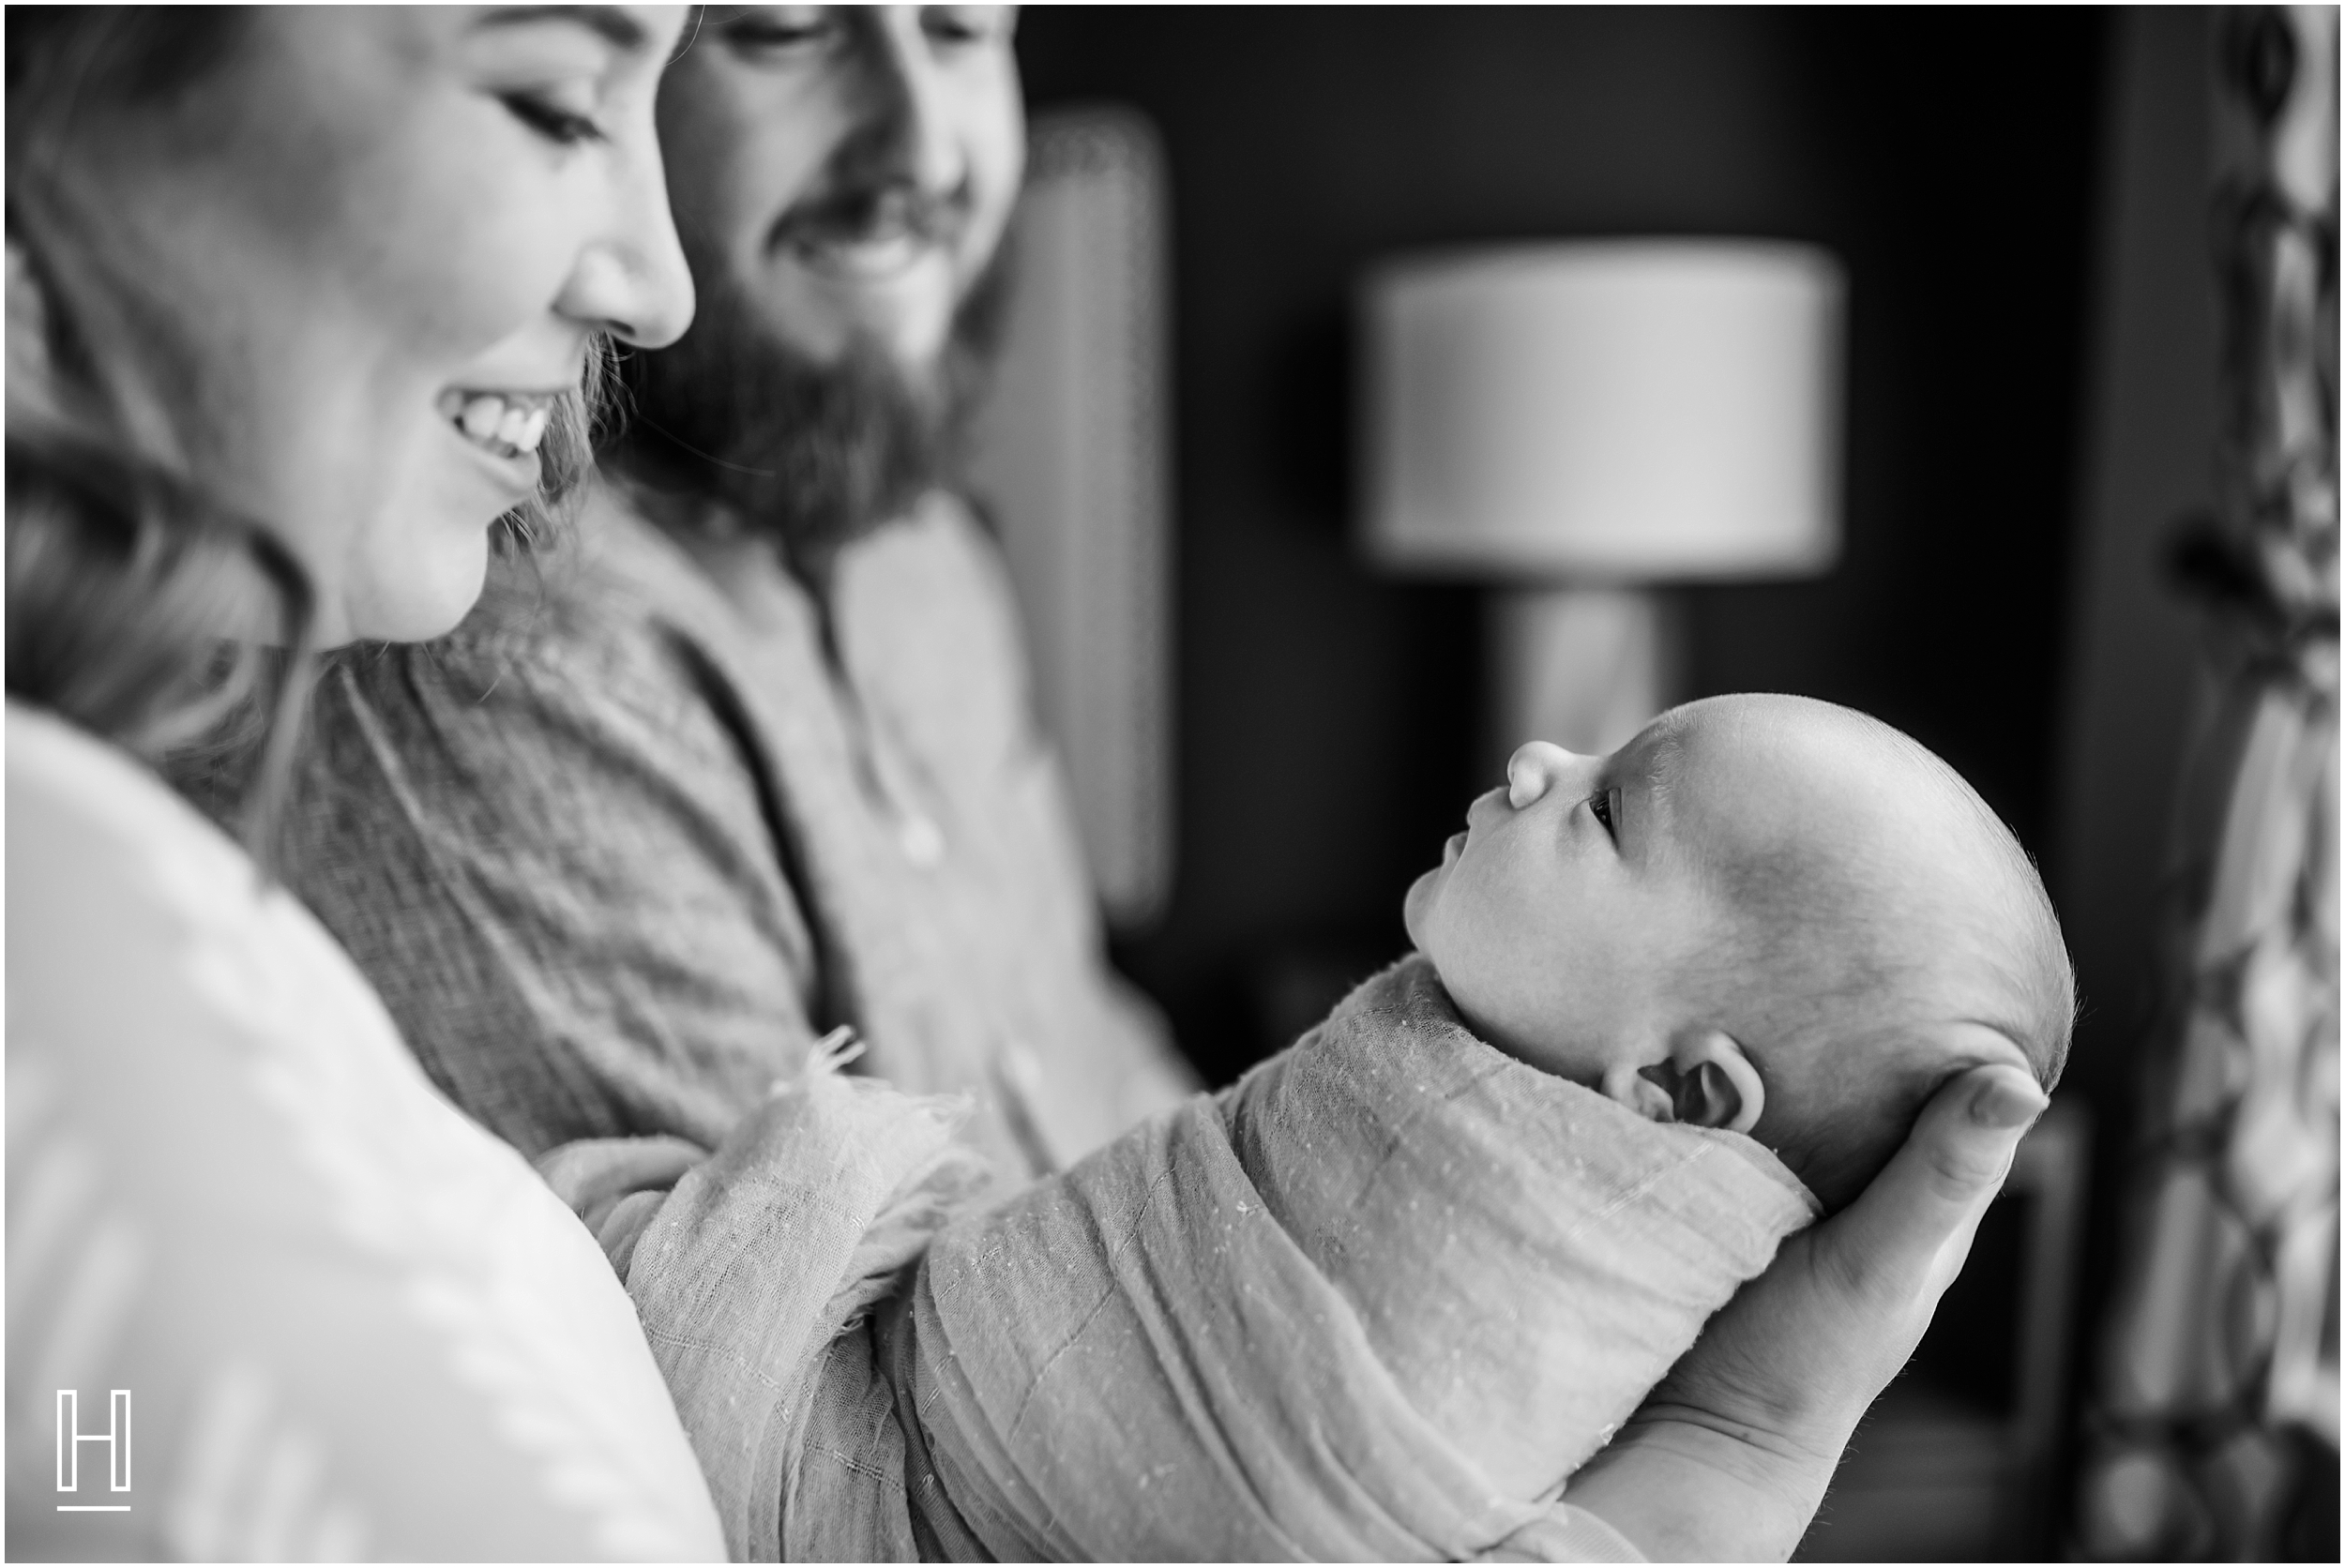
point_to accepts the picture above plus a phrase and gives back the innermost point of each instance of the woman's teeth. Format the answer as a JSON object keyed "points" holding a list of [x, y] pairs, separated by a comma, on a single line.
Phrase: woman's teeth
{"points": [[502, 426]]}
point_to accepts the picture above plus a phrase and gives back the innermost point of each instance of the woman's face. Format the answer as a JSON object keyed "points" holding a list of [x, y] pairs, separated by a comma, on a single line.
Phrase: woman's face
{"points": [[388, 237]]}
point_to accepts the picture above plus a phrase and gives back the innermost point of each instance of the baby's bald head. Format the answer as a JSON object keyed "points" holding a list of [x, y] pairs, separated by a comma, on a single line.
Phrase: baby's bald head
{"points": [[1880, 929], [1763, 913]]}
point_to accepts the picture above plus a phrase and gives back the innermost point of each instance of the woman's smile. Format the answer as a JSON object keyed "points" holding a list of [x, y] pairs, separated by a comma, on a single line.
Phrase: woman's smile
{"points": [[509, 423], [501, 430]]}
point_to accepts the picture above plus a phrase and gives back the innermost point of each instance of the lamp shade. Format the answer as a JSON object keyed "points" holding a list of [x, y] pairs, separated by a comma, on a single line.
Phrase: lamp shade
{"points": [[1627, 411]]}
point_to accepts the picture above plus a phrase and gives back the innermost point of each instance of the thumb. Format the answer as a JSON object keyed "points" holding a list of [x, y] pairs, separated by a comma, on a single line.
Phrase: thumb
{"points": [[1908, 1233]]}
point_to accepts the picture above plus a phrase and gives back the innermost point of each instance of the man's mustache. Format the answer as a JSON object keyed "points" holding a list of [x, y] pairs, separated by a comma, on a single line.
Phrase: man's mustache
{"points": [[867, 212]]}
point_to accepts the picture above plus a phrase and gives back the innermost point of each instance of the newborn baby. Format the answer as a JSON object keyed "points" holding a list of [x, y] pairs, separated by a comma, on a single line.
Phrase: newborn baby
{"points": [[1763, 913], [1381, 1298], [1384, 1295]]}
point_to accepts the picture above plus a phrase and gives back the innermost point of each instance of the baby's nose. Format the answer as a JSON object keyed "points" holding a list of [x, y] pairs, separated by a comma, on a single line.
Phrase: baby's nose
{"points": [[1533, 770]]}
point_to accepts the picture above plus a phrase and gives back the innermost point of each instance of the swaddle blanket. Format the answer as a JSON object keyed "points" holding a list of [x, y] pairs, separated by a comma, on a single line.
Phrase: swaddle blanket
{"points": [[755, 1278], [1378, 1300], [1375, 1302]]}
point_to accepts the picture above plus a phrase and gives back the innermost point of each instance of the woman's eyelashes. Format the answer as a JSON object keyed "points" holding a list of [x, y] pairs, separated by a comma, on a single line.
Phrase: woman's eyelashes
{"points": [[555, 122]]}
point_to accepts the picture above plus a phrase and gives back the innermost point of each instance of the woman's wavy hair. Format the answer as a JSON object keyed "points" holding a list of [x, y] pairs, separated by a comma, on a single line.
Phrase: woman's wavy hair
{"points": [[126, 580]]}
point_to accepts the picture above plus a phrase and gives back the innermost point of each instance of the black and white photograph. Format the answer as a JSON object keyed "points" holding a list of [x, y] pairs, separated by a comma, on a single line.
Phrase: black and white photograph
{"points": [[1172, 783]]}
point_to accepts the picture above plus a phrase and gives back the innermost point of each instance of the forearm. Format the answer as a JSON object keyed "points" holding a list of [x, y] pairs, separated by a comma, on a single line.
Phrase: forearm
{"points": [[1684, 1489]]}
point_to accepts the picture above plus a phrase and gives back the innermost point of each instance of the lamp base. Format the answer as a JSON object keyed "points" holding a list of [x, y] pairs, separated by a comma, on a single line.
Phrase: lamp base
{"points": [[1586, 668]]}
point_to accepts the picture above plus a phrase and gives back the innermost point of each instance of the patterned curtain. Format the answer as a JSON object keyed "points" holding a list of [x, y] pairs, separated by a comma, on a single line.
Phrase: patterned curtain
{"points": [[2215, 1432]]}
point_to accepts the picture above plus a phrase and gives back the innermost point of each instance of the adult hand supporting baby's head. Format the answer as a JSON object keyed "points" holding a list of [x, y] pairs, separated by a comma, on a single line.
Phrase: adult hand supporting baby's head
{"points": [[1729, 1456]]}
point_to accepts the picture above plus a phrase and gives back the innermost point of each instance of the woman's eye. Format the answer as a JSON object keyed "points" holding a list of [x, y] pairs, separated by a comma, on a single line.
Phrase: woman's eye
{"points": [[551, 120], [1601, 805]]}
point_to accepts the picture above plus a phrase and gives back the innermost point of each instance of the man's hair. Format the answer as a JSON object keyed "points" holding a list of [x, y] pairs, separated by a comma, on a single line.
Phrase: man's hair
{"points": [[811, 454], [1832, 942]]}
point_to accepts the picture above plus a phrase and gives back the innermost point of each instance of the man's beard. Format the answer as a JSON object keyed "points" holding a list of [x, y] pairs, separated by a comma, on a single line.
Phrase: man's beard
{"points": [[812, 454]]}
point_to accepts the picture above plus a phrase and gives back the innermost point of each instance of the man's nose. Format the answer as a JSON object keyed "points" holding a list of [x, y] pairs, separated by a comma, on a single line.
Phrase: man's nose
{"points": [[1534, 770], [908, 130]]}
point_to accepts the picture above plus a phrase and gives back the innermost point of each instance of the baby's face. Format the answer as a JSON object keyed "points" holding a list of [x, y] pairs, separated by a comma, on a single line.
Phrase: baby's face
{"points": [[1757, 914], [1571, 917], [1562, 917]]}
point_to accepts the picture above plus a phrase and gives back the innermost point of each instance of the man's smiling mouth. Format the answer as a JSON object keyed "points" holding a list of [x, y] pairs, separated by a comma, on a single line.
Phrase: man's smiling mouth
{"points": [[871, 235], [868, 259]]}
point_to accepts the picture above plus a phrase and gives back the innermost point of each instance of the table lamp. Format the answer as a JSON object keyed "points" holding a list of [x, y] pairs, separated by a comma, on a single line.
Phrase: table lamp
{"points": [[1579, 423]]}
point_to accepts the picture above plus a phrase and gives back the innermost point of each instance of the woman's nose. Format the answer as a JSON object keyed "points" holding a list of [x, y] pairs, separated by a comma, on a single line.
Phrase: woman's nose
{"points": [[1534, 769], [632, 281]]}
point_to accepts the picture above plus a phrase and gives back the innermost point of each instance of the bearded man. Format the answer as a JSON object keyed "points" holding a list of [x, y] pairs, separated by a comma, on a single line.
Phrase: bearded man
{"points": [[752, 757]]}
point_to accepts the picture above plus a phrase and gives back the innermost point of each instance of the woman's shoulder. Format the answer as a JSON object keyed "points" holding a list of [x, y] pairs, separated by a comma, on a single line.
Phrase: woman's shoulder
{"points": [[62, 780], [248, 1209]]}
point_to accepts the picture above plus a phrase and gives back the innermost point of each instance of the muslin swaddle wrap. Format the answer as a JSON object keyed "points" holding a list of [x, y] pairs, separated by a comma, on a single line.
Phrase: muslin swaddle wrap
{"points": [[755, 1285], [1377, 1301]]}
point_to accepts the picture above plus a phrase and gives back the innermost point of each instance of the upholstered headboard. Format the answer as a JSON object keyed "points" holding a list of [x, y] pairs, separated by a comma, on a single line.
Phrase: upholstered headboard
{"points": [[1072, 463]]}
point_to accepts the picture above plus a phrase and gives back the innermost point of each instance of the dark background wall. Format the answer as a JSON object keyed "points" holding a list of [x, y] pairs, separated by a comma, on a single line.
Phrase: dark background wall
{"points": [[1325, 715]]}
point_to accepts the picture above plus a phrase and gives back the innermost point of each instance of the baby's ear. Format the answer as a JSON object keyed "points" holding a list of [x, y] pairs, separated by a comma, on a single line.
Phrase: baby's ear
{"points": [[1715, 1084], [1625, 1082]]}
